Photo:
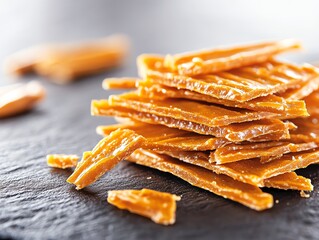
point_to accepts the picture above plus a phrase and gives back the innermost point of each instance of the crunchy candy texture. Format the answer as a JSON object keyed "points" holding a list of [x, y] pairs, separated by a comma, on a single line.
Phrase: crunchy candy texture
{"points": [[287, 180], [105, 155], [239, 85], [286, 107], [198, 112], [266, 151], [254, 172], [119, 83], [221, 59], [162, 138], [160, 207], [219, 184], [233, 132], [62, 160]]}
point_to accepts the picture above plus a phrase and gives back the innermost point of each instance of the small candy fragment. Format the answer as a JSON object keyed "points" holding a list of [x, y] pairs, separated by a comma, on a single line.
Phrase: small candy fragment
{"points": [[62, 160], [160, 207]]}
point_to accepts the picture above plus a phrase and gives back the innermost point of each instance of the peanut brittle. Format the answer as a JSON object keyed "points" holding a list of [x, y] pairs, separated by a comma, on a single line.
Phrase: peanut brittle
{"points": [[19, 98], [234, 132], [222, 185], [271, 103], [221, 59], [105, 155], [163, 138], [119, 83], [62, 160], [160, 207], [239, 85], [288, 180], [266, 151]]}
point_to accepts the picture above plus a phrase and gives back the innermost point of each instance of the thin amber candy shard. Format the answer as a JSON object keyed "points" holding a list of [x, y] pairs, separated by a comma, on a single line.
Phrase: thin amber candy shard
{"points": [[105, 155], [221, 59], [160, 207], [62, 160], [222, 185]]}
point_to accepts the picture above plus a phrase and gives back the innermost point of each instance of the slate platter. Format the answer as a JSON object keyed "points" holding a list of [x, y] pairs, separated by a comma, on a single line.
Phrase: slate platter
{"points": [[35, 200]]}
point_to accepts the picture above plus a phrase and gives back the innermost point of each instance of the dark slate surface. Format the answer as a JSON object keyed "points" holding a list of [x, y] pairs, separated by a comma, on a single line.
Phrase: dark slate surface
{"points": [[35, 200]]}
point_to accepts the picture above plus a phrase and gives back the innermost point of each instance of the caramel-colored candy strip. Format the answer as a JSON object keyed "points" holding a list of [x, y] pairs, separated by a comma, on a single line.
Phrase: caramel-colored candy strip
{"points": [[19, 98], [160, 207], [163, 138], [270, 103], [62, 160], [221, 59], [119, 83], [234, 132], [65, 62], [289, 181], [222, 185], [312, 103], [238, 85], [105, 155], [303, 89], [201, 159], [266, 151], [254, 172], [198, 112]]}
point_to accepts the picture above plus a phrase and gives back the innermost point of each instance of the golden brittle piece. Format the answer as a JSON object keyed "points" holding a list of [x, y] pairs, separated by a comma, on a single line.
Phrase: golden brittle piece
{"points": [[287, 180], [160, 207], [254, 172], [303, 89], [62, 160], [19, 98], [234, 132], [271, 103], [266, 151], [163, 138], [119, 83], [198, 112], [105, 155], [222, 185], [221, 59], [238, 85]]}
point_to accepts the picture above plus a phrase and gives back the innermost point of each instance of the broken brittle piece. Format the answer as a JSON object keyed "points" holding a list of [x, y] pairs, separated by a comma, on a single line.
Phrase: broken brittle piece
{"points": [[222, 185], [270, 103], [239, 85], [221, 59], [62, 160], [162, 138], [285, 180], [105, 155], [120, 83], [233, 132], [193, 111], [19, 98], [254, 172], [158, 206], [266, 151]]}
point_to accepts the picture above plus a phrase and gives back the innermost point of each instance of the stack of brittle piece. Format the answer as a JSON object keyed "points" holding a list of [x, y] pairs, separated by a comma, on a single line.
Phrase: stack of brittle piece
{"points": [[231, 121]]}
